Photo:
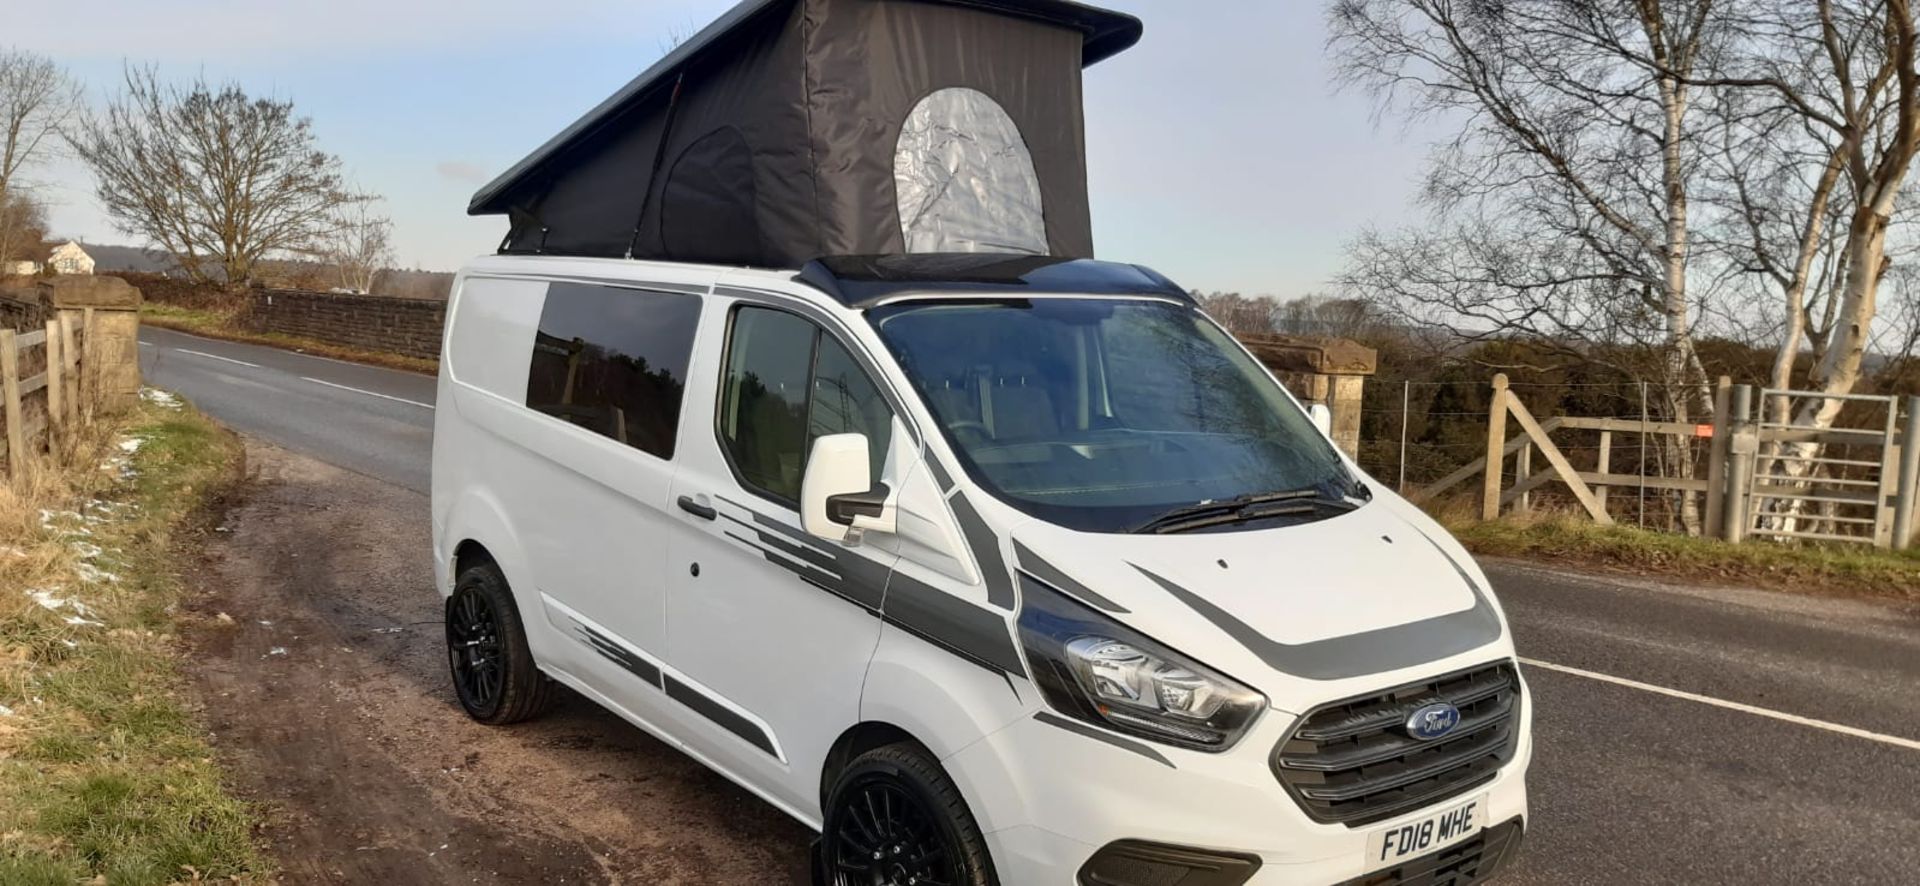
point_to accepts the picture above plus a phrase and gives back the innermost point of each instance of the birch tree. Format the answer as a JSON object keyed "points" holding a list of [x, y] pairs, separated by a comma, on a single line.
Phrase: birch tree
{"points": [[1562, 200], [1842, 74]]}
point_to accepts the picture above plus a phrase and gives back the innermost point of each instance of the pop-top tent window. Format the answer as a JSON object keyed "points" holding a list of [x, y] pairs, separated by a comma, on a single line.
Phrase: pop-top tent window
{"points": [[964, 179], [794, 129]]}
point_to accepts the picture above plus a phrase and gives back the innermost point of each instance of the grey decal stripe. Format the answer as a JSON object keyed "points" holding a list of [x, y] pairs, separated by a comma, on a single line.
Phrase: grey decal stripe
{"points": [[975, 634], [986, 550], [1078, 728], [860, 579], [1043, 571], [721, 715], [615, 653], [945, 620], [1368, 652], [940, 474]]}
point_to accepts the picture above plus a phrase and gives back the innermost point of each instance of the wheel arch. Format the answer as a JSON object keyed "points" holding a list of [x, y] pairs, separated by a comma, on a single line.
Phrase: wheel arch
{"points": [[856, 740]]}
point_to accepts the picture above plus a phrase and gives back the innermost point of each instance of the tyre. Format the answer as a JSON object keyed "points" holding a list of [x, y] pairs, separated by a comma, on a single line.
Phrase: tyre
{"points": [[493, 670], [894, 818]]}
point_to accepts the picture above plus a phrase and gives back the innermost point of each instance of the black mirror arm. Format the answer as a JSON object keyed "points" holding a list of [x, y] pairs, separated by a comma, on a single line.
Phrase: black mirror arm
{"points": [[844, 507]]}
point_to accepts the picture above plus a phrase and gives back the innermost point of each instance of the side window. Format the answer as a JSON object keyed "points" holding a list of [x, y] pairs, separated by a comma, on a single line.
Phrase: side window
{"points": [[614, 361], [845, 401], [786, 385]]}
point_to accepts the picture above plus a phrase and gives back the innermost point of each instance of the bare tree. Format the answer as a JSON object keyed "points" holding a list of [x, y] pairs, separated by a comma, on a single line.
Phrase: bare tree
{"points": [[360, 245], [1568, 182], [1239, 314], [1843, 75], [1563, 199], [218, 179], [36, 100], [23, 226]]}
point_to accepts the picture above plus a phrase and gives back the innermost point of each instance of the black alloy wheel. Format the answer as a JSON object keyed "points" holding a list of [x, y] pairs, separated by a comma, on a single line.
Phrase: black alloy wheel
{"points": [[473, 647], [895, 819], [493, 669]]}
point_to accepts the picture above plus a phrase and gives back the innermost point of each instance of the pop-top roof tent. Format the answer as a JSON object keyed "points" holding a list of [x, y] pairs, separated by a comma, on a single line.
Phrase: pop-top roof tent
{"points": [[791, 129]]}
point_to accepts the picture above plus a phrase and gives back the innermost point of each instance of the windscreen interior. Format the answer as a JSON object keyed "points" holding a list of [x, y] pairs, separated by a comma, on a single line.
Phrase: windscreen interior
{"points": [[1099, 414]]}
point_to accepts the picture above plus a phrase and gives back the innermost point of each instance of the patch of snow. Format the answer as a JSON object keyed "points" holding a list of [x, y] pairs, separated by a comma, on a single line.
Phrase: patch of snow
{"points": [[277, 650], [5, 711], [92, 574], [132, 445], [78, 620], [160, 397], [86, 549]]}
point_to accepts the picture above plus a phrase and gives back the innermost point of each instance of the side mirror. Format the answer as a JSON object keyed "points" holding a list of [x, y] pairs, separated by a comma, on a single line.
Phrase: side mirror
{"points": [[1322, 418], [838, 496]]}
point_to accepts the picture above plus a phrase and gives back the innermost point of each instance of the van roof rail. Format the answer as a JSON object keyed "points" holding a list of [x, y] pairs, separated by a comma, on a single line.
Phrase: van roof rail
{"points": [[862, 281]]}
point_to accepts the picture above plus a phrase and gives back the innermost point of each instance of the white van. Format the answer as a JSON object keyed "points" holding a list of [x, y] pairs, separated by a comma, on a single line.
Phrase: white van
{"points": [[990, 569]]}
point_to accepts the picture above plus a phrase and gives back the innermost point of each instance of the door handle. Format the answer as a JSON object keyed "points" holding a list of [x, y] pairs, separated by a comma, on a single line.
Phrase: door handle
{"points": [[704, 512]]}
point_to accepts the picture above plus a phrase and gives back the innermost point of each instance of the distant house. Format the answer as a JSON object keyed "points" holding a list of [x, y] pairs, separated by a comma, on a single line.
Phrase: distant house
{"points": [[69, 258], [21, 268]]}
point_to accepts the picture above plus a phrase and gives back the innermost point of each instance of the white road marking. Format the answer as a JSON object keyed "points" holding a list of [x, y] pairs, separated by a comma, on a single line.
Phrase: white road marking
{"points": [[217, 357], [369, 393], [1782, 716]]}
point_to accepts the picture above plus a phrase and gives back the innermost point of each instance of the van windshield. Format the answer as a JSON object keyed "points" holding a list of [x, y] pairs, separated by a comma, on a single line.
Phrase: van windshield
{"points": [[1103, 415]]}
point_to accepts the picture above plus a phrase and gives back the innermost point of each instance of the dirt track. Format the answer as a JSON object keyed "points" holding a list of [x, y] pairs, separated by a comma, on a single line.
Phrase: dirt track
{"points": [[328, 695]]}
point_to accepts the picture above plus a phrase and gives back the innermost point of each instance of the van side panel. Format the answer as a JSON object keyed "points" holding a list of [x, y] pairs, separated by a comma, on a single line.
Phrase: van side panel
{"points": [[483, 348]]}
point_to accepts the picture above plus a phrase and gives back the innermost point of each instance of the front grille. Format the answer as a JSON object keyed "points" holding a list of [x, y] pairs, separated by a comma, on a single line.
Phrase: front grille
{"points": [[1460, 865], [1352, 761]]}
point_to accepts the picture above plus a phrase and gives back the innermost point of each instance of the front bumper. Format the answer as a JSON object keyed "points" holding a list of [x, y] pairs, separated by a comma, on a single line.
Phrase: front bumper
{"points": [[1049, 799]]}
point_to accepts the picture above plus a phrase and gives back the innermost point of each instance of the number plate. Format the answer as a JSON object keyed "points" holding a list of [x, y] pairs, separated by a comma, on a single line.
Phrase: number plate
{"points": [[1423, 835]]}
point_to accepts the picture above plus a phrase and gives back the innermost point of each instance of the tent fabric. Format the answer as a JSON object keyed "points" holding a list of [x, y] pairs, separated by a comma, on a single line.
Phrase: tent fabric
{"points": [[794, 129]]}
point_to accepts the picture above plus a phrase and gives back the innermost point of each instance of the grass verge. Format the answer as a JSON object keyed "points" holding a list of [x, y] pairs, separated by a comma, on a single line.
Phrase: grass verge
{"points": [[1852, 570], [216, 323], [104, 775]]}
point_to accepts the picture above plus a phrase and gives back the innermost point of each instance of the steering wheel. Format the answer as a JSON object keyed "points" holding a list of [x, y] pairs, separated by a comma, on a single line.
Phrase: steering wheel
{"points": [[977, 429]]}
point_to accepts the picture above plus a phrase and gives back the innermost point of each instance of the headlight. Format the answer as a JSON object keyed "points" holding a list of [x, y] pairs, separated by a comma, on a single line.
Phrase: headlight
{"points": [[1093, 669]]}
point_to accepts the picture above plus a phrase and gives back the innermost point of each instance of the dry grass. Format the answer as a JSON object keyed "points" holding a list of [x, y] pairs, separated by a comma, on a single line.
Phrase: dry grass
{"points": [[104, 777], [220, 323], [1848, 570]]}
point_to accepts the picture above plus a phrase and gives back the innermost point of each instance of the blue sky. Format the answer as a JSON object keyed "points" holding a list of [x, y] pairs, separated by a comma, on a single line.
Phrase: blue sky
{"points": [[1219, 152]]}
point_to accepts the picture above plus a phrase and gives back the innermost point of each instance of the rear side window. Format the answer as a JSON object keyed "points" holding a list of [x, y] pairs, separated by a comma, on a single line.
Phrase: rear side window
{"points": [[788, 384], [614, 361]]}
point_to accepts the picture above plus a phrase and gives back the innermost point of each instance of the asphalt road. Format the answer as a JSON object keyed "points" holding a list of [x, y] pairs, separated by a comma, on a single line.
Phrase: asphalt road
{"points": [[1683, 734]]}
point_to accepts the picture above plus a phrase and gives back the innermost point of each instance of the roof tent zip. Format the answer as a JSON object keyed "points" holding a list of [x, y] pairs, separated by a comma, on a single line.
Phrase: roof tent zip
{"points": [[659, 154]]}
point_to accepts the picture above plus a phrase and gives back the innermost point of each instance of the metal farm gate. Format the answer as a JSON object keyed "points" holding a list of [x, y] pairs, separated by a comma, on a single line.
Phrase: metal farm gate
{"points": [[1857, 482], [1837, 484]]}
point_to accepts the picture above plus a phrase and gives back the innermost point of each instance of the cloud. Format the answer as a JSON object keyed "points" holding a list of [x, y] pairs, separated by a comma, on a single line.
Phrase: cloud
{"points": [[460, 171]]}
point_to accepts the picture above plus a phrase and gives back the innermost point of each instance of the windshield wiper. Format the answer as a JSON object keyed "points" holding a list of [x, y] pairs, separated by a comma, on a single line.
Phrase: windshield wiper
{"points": [[1240, 509]]}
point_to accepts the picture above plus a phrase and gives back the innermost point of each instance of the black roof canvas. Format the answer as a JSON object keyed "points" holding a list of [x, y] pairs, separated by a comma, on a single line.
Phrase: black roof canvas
{"points": [[791, 129]]}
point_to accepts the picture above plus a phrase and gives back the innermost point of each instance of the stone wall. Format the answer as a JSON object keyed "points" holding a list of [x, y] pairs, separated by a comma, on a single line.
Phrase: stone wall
{"points": [[21, 307], [409, 326]]}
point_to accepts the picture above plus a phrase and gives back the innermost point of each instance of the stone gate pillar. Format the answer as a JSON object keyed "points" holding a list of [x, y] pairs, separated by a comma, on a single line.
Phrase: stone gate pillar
{"points": [[1329, 371], [116, 328]]}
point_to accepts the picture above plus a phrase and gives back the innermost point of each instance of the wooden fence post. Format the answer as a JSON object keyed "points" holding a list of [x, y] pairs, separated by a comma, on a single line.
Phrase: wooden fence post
{"points": [[10, 389], [1742, 445], [1906, 502], [90, 365], [1717, 461], [56, 395], [1496, 444], [1605, 467], [70, 352]]}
